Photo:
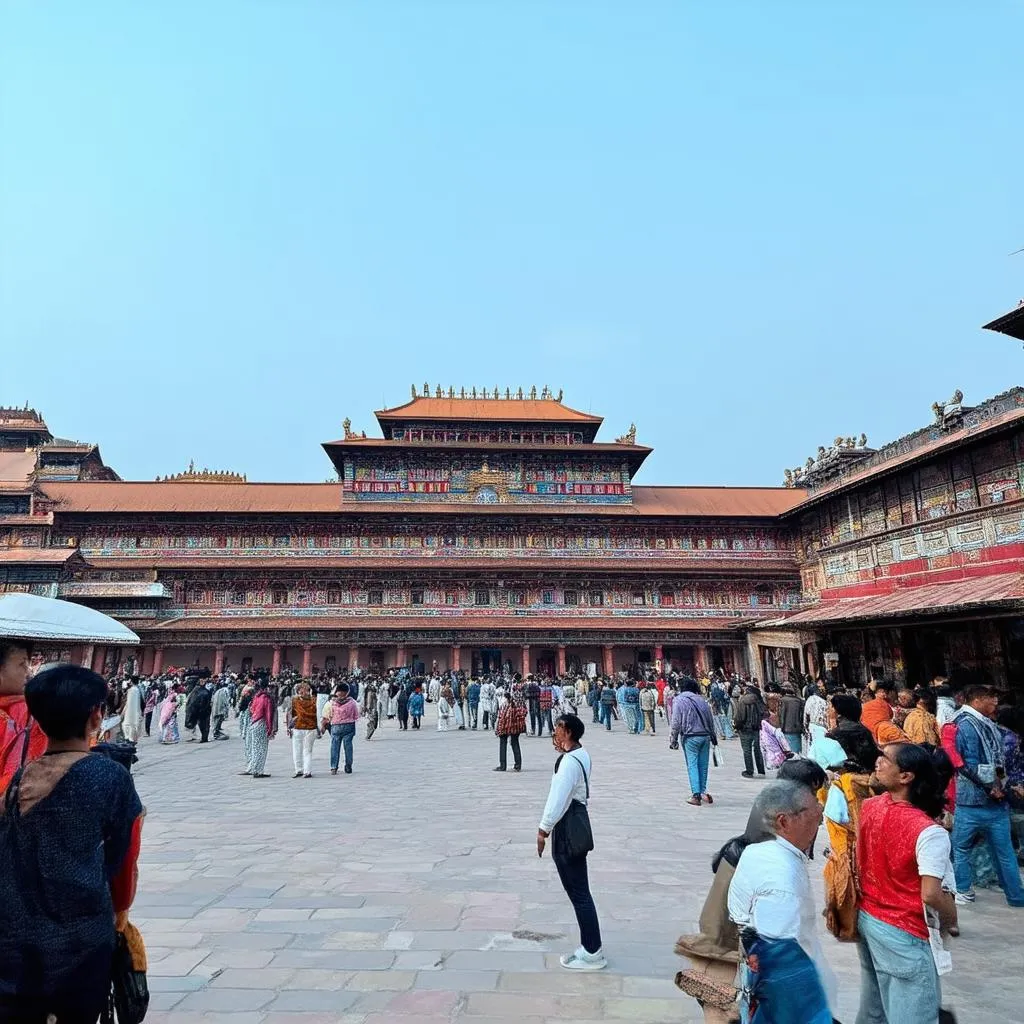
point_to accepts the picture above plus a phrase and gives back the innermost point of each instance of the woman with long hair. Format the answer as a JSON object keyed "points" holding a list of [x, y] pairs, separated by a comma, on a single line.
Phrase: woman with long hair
{"points": [[169, 717], [905, 882]]}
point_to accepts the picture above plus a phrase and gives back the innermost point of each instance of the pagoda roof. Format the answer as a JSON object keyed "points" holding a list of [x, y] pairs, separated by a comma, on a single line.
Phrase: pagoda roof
{"points": [[107, 497], [486, 410], [1011, 323]]}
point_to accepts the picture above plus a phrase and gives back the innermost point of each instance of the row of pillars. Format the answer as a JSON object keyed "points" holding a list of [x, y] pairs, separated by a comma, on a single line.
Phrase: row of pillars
{"points": [[93, 657]]}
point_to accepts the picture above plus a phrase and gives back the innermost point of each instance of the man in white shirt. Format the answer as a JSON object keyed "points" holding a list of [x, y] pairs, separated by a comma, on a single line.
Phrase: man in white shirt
{"points": [[771, 901]]}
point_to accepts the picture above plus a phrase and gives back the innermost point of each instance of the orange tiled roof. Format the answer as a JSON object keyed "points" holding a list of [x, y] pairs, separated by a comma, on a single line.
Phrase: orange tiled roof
{"points": [[32, 556], [503, 410], [17, 466], [128, 497], [436, 622], [1005, 589]]}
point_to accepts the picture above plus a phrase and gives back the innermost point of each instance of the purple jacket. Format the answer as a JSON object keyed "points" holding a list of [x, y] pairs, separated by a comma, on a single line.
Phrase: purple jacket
{"points": [[691, 716]]}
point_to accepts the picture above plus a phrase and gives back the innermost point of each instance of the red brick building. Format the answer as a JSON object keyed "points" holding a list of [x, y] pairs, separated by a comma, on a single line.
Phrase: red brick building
{"points": [[496, 529]]}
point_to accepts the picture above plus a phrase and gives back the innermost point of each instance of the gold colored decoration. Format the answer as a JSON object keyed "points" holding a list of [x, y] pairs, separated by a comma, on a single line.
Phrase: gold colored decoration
{"points": [[474, 392], [346, 424], [629, 437], [462, 392], [487, 477], [414, 391], [519, 394], [559, 398], [533, 393], [204, 476], [437, 393], [508, 393], [451, 392], [485, 392]]}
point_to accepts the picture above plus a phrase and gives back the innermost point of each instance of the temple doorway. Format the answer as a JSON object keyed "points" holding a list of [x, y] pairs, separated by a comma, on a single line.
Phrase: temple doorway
{"points": [[546, 663], [488, 659]]}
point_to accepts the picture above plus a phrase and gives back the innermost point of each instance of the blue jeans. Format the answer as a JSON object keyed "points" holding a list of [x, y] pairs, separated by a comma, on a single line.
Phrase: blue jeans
{"points": [[898, 981], [342, 734], [697, 751], [606, 716], [793, 739], [787, 986], [724, 726], [992, 822]]}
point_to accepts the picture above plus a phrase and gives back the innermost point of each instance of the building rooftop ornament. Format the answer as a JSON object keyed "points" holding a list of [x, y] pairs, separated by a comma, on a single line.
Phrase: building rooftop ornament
{"points": [[203, 476], [491, 394], [629, 437], [829, 462], [949, 414]]}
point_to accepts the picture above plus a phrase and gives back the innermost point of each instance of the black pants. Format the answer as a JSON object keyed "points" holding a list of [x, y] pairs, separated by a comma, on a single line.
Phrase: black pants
{"points": [[503, 751], [750, 742], [535, 722], [576, 883], [403, 717], [204, 728], [149, 721], [487, 719], [545, 719]]}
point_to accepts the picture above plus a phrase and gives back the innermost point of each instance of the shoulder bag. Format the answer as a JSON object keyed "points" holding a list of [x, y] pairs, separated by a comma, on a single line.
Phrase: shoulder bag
{"points": [[572, 837]]}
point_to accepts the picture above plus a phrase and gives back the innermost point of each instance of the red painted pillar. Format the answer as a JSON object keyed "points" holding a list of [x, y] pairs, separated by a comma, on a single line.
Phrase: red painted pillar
{"points": [[400, 656], [526, 659], [609, 661], [561, 660], [307, 660], [218, 660], [700, 659], [455, 661], [158, 661], [275, 663], [97, 659], [353, 658]]}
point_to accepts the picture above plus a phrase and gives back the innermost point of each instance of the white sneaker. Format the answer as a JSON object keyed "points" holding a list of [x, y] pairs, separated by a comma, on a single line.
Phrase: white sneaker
{"points": [[581, 960], [964, 898]]}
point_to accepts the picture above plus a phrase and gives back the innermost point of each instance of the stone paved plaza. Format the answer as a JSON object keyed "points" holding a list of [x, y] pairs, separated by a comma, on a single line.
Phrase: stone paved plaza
{"points": [[412, 888]]}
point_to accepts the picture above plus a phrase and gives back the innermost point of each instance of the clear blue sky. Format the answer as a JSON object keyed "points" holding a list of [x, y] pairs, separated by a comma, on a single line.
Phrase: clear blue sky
{"points": [[747, 226]]}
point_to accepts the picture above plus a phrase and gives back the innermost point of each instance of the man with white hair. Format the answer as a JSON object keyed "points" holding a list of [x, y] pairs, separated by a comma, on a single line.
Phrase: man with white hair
{"points": [[771, 902]]}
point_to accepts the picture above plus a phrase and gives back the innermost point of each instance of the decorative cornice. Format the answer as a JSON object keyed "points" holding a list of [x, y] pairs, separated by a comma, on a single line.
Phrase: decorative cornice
{"points": [[204, 476]]}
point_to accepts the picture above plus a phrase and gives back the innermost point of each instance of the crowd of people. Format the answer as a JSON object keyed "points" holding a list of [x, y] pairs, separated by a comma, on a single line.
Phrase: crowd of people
{"points": [[921, 793]]}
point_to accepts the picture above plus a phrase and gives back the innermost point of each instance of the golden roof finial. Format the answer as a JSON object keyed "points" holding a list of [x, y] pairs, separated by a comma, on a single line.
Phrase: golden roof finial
{"points": [[485, 392], [474, 392], [533, 392], [559, 398], [437, 393], [519, 394], [414, 391], [508, 393], [426, 390], [629, 437], [346, 425], [451, 392], [462, 392]]}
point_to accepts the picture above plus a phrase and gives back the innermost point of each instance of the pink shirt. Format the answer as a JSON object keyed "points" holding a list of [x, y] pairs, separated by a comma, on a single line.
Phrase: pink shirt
{"points": [[344, 713]]}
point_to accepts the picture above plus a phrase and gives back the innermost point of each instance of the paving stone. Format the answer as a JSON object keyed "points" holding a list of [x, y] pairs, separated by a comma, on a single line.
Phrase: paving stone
{"points": [[370, 912], [228, 1000], [310, 1000]]}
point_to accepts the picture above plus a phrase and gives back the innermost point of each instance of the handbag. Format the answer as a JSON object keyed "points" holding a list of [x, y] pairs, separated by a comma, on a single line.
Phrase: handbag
{"points": [[707, 991], [129, 990], [573, 837]]}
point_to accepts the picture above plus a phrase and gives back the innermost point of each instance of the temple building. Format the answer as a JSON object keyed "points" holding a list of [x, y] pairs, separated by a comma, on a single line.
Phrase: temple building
{"points": [[478, 530]]}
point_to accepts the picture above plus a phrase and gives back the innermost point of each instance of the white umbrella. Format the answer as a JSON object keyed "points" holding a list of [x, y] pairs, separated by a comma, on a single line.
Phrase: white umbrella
{"points": [[44, 618]]}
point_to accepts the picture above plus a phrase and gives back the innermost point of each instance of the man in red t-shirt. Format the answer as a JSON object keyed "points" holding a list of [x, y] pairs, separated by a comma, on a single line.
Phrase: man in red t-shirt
{"points": [[902, 858]]}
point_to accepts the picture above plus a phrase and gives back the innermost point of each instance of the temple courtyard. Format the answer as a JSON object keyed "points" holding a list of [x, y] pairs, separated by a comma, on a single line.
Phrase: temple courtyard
{"points": [[412, 889]]}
